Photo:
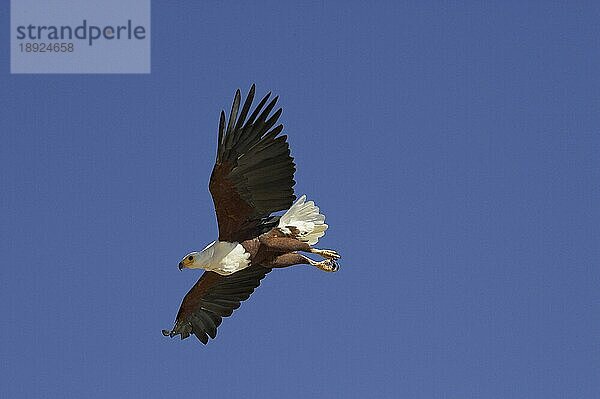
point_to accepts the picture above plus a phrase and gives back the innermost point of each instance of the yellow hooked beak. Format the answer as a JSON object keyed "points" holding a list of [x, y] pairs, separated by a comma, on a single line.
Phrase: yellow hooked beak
{"points": [[186, 262]]}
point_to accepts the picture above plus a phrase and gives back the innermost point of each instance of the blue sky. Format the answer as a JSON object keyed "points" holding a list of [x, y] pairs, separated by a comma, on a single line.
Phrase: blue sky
{"points": [[453, 147]]}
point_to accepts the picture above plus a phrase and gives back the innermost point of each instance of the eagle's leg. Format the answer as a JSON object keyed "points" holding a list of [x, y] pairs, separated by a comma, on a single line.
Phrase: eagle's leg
{"points": [[326, 253], [290, 259], [294, 258], [288, 244], [284, 244]]}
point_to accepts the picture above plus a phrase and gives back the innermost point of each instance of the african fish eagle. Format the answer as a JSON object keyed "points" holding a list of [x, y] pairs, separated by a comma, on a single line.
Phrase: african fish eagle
{"points": [[253, 178]]}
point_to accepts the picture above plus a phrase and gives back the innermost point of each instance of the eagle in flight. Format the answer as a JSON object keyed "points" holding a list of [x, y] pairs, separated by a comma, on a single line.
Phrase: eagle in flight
{"points": [[253, 178]]}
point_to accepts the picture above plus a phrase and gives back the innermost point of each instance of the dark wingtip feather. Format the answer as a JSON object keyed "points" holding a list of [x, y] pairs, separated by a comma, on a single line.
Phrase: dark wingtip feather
{"points": [[202, 337], [268, 109], [221, 134], [243, 113], [260, 124], [234, 110], [228, 140], [258, 109], [272, 120]]}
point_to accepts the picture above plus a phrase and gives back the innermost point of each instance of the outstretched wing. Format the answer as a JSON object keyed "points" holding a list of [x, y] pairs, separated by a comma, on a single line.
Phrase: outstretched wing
{"points": [[254, 173], [213, 297]]}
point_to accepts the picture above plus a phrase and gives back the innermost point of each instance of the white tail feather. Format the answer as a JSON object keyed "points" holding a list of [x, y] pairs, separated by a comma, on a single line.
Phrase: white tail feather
{"points": [[304, 217]]}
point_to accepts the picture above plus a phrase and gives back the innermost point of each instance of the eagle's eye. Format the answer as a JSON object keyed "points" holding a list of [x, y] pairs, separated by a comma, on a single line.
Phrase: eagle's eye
{"points": [[190, 258]]}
